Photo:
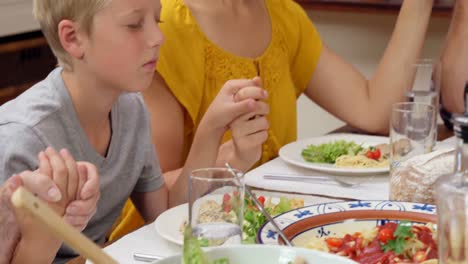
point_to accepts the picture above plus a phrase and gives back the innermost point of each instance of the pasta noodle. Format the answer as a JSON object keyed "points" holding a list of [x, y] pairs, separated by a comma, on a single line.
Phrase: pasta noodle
{"points": [[368, 247], [360, 161]]}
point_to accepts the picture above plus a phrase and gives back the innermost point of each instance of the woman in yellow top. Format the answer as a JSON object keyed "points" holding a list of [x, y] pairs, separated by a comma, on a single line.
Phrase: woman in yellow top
{"points": [[209, 42]]}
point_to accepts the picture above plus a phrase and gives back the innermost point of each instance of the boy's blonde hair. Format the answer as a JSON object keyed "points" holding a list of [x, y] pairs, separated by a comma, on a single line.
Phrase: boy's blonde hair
{"points": [[49, 13]]}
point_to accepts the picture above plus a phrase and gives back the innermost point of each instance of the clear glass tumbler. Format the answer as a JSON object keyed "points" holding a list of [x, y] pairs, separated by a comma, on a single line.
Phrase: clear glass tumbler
{"points": [[216, 202], [426, 85], [411, 133]]}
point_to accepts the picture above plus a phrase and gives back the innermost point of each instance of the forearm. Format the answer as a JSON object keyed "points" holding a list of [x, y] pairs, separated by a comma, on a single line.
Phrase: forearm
{"points": [[203, 153], [9, 230], [21, 239], [454, 60], [395, 72], [36, 250], [227, 154]]}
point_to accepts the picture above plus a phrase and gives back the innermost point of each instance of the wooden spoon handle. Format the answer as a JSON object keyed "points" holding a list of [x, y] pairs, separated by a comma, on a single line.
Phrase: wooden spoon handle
{"points": [[23, 199]]}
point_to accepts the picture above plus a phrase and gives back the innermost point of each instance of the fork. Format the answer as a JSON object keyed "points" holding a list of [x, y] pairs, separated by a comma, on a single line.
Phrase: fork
{"points": [[286, 241], [308, 178]]}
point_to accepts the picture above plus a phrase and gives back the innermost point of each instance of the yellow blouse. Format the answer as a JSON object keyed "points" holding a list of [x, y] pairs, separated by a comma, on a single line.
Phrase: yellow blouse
{"points": [[195, 69]]}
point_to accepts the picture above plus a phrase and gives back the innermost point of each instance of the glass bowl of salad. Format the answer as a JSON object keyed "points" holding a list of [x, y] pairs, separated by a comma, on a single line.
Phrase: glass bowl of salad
{"points": [[254, 254]]}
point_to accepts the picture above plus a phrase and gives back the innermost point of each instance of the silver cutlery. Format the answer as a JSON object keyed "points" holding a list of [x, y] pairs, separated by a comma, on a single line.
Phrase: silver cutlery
{"points": [[145, 257], [310, 178], [262, 209]]}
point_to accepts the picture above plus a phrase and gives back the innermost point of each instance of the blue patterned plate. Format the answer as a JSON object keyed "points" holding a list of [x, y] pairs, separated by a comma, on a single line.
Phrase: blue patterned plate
{"points": [[337, 219]]}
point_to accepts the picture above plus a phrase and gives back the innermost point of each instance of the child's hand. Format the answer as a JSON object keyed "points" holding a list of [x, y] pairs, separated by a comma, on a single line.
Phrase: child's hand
{"points": [[79, 212], [81, 188], [63, 170], [70, 188], [77, 181], [37, 183], [250, 130], [225, 109]]}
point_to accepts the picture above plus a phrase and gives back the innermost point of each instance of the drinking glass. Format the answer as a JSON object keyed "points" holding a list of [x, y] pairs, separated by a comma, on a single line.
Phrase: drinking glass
{"points": [[216, 201], [411, 133], [426, 86]]}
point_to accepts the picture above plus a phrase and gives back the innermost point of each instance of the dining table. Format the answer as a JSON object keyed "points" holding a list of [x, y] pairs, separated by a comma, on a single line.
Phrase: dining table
{"points": [[146, 239]]}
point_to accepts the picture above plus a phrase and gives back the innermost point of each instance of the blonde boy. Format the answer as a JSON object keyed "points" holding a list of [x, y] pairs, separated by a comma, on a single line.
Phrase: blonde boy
{"points": [[107, 50]]}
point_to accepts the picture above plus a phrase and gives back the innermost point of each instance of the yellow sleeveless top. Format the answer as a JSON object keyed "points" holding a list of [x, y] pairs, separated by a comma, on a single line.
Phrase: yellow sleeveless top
{"points": [[195, 69]]}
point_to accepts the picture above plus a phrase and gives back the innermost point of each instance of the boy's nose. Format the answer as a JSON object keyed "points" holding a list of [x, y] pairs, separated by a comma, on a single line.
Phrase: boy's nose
{"points": [[155, 36]]}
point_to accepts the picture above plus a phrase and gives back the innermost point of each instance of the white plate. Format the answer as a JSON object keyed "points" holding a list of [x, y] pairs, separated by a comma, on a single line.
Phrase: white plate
{"points": [[291, 153], [168, 223]]}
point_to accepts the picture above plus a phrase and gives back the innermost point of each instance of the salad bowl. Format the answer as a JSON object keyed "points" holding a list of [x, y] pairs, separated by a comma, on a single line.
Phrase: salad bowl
{"points": [[254, 254]]}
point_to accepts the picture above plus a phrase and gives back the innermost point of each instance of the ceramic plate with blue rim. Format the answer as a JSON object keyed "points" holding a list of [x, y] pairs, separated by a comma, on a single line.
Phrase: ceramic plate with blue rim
{"points": [[337, 219]]}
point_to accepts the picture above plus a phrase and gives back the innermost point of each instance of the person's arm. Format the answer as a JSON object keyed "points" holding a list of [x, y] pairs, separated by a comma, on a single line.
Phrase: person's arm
{"points": [[151, 204], [169, 137], [167, 126], [248, 132], [454, 60], [342, 90], [59, 168], [9, 229], [204, 151], [19, 245], [36, 244], [71, 189]]}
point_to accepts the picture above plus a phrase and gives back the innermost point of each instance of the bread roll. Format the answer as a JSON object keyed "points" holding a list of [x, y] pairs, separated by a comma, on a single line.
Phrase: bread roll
{"points": [[413, 180]]}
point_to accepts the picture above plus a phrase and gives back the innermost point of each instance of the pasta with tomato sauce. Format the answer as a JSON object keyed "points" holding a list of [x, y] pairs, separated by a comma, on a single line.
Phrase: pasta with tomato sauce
{"points": [[386, 244]]}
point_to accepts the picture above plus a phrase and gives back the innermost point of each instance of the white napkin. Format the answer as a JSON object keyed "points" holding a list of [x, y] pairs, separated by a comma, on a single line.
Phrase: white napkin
{"points": [[448, 143], [374, 187]]}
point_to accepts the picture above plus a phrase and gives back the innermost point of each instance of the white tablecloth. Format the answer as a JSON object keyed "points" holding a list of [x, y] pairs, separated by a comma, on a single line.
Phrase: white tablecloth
{"points": [[146, 240], [372, 187]]}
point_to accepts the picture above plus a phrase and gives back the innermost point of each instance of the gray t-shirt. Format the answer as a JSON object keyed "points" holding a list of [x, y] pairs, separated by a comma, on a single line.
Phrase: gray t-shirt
{"points": [[44, 116]]}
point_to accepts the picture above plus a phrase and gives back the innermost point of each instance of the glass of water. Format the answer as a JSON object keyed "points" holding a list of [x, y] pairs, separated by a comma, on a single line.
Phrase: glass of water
{"points": [[216, 202], [426, 86], [411, 133]]}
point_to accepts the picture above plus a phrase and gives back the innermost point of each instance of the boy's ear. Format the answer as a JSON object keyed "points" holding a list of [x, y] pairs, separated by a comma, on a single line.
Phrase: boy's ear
{"points": [[70, 38]]}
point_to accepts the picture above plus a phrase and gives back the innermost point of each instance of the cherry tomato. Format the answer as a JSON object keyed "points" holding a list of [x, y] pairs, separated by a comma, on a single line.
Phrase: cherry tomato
{"points": [[261, 199], [377, 154], [373, 154], [385, 235], [420, 256], [370, 154], [226, 197], [334, 242], [227, 208]]}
